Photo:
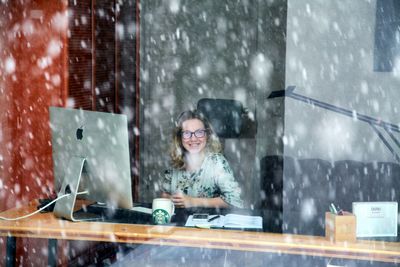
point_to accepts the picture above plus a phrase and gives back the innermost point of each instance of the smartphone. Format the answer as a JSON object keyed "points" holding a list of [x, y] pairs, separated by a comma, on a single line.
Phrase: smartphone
{"points": [[200, 216]]}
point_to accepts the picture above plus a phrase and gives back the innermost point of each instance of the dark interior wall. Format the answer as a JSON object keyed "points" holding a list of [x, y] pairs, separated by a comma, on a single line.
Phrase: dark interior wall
{"points": [[102, 61], [105, 55], [271, 42], [127, 66], [80, 69], [92, 55]]}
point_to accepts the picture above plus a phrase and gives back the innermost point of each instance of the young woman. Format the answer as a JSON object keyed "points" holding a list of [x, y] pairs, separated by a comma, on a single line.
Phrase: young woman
{"points": [[200, 175]]}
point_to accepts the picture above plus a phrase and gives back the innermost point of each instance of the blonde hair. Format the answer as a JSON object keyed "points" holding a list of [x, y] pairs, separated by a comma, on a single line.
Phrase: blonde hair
{"points": [[177, 150]]}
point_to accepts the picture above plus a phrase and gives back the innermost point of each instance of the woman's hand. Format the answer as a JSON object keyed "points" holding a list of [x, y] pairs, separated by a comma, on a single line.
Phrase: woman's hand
{"points": [[182, 201]]}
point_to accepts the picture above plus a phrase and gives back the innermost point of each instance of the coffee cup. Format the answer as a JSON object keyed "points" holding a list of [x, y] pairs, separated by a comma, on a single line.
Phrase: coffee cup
{"points": [[162, 210]]}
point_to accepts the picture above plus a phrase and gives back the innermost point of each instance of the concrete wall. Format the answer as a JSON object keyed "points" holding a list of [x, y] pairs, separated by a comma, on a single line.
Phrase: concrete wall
{"points": [[329, 57], [219, 49]]}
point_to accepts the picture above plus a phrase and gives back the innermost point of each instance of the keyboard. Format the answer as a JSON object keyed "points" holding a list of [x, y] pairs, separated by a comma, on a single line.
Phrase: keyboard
{"points": [[99, 213], [142, 210]]}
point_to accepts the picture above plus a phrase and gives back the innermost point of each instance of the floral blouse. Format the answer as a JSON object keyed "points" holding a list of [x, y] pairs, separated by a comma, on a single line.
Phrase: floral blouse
{"points": [[213, 179]]}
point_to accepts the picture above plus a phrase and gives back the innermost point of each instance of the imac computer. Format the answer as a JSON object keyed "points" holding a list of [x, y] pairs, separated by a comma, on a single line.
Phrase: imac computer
{"points": [[90, 160]]}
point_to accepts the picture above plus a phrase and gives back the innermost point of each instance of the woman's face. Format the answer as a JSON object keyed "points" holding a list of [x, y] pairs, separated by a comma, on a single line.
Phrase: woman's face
{"points": [[194, 137]]}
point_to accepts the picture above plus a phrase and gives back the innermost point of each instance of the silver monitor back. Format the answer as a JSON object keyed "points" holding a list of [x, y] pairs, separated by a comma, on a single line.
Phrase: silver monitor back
{"points": [[101, 140]]}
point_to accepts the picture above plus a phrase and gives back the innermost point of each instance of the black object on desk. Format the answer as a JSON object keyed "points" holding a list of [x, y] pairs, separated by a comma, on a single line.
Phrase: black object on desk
{"points": [[101, 213], [44, 202]]}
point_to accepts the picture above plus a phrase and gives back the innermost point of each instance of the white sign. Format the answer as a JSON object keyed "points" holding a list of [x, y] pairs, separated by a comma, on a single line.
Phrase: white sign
{"points": [[376, 219]]}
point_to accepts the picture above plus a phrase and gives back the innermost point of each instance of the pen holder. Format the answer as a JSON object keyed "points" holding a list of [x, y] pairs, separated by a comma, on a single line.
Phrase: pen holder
{"points": [[340, 227]]}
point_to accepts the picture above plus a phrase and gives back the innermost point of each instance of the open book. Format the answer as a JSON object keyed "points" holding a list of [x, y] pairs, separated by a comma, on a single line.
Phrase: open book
{"points": [[234, 221]]}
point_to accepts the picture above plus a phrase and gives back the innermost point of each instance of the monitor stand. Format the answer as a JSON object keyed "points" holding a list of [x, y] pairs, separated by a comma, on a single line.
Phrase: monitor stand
{"points": [[64, 207]]}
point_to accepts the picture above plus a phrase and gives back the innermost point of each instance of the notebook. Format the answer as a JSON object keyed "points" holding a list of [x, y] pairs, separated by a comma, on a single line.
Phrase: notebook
{"points": [[232, 221]]}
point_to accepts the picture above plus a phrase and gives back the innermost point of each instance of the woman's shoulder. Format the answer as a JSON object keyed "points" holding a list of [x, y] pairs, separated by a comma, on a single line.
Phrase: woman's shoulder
{"points": [[217, 163], [217, 158]]}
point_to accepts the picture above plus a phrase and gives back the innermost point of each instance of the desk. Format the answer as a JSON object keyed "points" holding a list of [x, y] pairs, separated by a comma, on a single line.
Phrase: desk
{"points": [[46, 226]]}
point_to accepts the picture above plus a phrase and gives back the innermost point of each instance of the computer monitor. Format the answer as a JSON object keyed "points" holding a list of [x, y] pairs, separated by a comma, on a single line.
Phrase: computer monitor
{"points": [[90, 155]]}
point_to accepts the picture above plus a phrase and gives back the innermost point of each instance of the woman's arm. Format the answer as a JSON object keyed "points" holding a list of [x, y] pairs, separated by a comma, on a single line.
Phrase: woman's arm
{"points": [[226, 182], [184, 201]]}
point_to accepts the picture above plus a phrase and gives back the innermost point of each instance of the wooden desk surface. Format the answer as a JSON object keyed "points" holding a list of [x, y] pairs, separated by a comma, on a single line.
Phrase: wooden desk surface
{"points": [[45, 225]]}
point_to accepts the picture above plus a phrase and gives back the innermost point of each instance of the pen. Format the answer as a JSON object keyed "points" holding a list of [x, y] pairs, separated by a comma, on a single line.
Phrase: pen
{"points": [[333, 209], [213, 218]]}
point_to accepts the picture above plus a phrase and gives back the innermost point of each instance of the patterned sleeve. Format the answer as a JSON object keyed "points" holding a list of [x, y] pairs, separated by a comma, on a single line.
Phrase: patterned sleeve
{"points": [[166, 182], [225, 180]]}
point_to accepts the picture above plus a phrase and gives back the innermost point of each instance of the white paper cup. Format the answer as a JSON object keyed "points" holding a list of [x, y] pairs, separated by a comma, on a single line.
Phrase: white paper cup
{"points": [[162, 210]]}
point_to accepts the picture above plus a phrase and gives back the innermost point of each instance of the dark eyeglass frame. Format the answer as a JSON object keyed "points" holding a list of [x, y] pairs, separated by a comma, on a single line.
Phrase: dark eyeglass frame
{"points": [[199, 133]]}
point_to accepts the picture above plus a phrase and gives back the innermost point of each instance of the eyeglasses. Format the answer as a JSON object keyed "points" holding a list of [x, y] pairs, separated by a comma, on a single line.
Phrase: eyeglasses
{"points": [[198, 133]]}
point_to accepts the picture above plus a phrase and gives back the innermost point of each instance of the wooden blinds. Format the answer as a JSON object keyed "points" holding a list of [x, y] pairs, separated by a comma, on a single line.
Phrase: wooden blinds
{"points": [[92, 55]]}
